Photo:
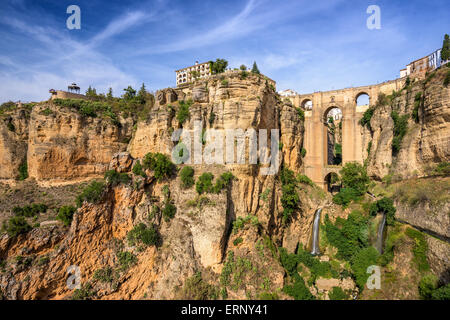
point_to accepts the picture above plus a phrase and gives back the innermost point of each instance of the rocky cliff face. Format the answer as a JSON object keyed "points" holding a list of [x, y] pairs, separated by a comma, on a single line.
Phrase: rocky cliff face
{"points": [[427, 140], [59, 144]]}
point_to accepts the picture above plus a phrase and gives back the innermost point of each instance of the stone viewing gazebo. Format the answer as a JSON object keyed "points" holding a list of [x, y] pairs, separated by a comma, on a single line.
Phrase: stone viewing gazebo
{"points": [[74, 88]]}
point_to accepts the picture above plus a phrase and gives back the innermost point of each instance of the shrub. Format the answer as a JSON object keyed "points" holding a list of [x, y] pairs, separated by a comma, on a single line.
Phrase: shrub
{"points": [[442, 169], [16, 225], [354, 175], [419, 250], [303, 152], [204, 183], [23, 171], [224, 83], [84, 293], [237, 241], [400, 128], [143, 234], [427, 285], [361, 261], [301, 114], [240, 222], [195, 288], [301, 178], [114, 178], [337, 294], [367, 116], [92, 193], [104, 275], [447, 79], [30, 210], [289, 199], [126, 259], [183, 112], [349, 235], [345, 196], [223, 182], [65, 214], [187, 177], [298, 290], [169, 211], [159, 164], [442, 293], [385, 206], [137, 169]]}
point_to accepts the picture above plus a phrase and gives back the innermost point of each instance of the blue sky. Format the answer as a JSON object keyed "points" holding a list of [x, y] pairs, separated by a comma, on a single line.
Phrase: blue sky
{"points": [[303, 45]]}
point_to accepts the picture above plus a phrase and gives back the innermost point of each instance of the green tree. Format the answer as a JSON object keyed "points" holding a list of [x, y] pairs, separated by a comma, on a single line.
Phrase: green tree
{"points": [[65, 215], [354, 176], [243, 67], [255, 68], [129, 94], [445, 53], [187, 177], [109, 95], [219, 66], [91, 92], [142, 94]]}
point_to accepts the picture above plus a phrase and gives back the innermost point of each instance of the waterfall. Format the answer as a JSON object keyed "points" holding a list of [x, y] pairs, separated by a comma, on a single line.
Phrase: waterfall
{"points": [[379, 244], [315, 234]]}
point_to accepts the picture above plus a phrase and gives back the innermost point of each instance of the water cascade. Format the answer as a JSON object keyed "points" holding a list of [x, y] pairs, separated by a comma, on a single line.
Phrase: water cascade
{"points": [[315, 234], [379, 244]]}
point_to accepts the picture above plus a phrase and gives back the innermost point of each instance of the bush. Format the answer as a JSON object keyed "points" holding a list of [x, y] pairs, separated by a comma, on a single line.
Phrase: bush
{"points": [[367, 116], [114, 178], [204, 183], [290, 199], [223, 182], [442, 169], [183, 112], [187, 177], [195, 288], [159, 164], [427, 285], [419, 250], [137, 169], [23, 171], [337, 294], [30, 210], [16, 225], [298, 290], [240, 222], [104, 275], [92, 193], [345, 196], [65, 215], [84, 293], [301, 178], [301, 114], [447, 79], [349, 235], [442, 293], [354, 175], [361, 261], [400, 128], [143, 234], [169, 211], [385, 206], [303, 152], [126, 259]]}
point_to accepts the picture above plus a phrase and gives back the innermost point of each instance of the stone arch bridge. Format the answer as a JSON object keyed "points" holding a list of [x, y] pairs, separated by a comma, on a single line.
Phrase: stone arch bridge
{"points": [[315, 141]]}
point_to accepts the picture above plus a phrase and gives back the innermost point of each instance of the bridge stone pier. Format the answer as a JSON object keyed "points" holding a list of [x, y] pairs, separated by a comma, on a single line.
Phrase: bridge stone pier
{"points": [[315, 141]]}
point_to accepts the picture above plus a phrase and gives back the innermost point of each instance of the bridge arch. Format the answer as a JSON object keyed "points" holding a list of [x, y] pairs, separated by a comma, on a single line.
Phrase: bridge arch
{"points": [[332, 182], [307, 104], [362, 99]]}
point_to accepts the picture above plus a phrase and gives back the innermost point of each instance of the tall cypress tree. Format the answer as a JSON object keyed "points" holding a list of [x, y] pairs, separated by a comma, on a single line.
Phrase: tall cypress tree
{"points": [[445, 53], [255, 68]]}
